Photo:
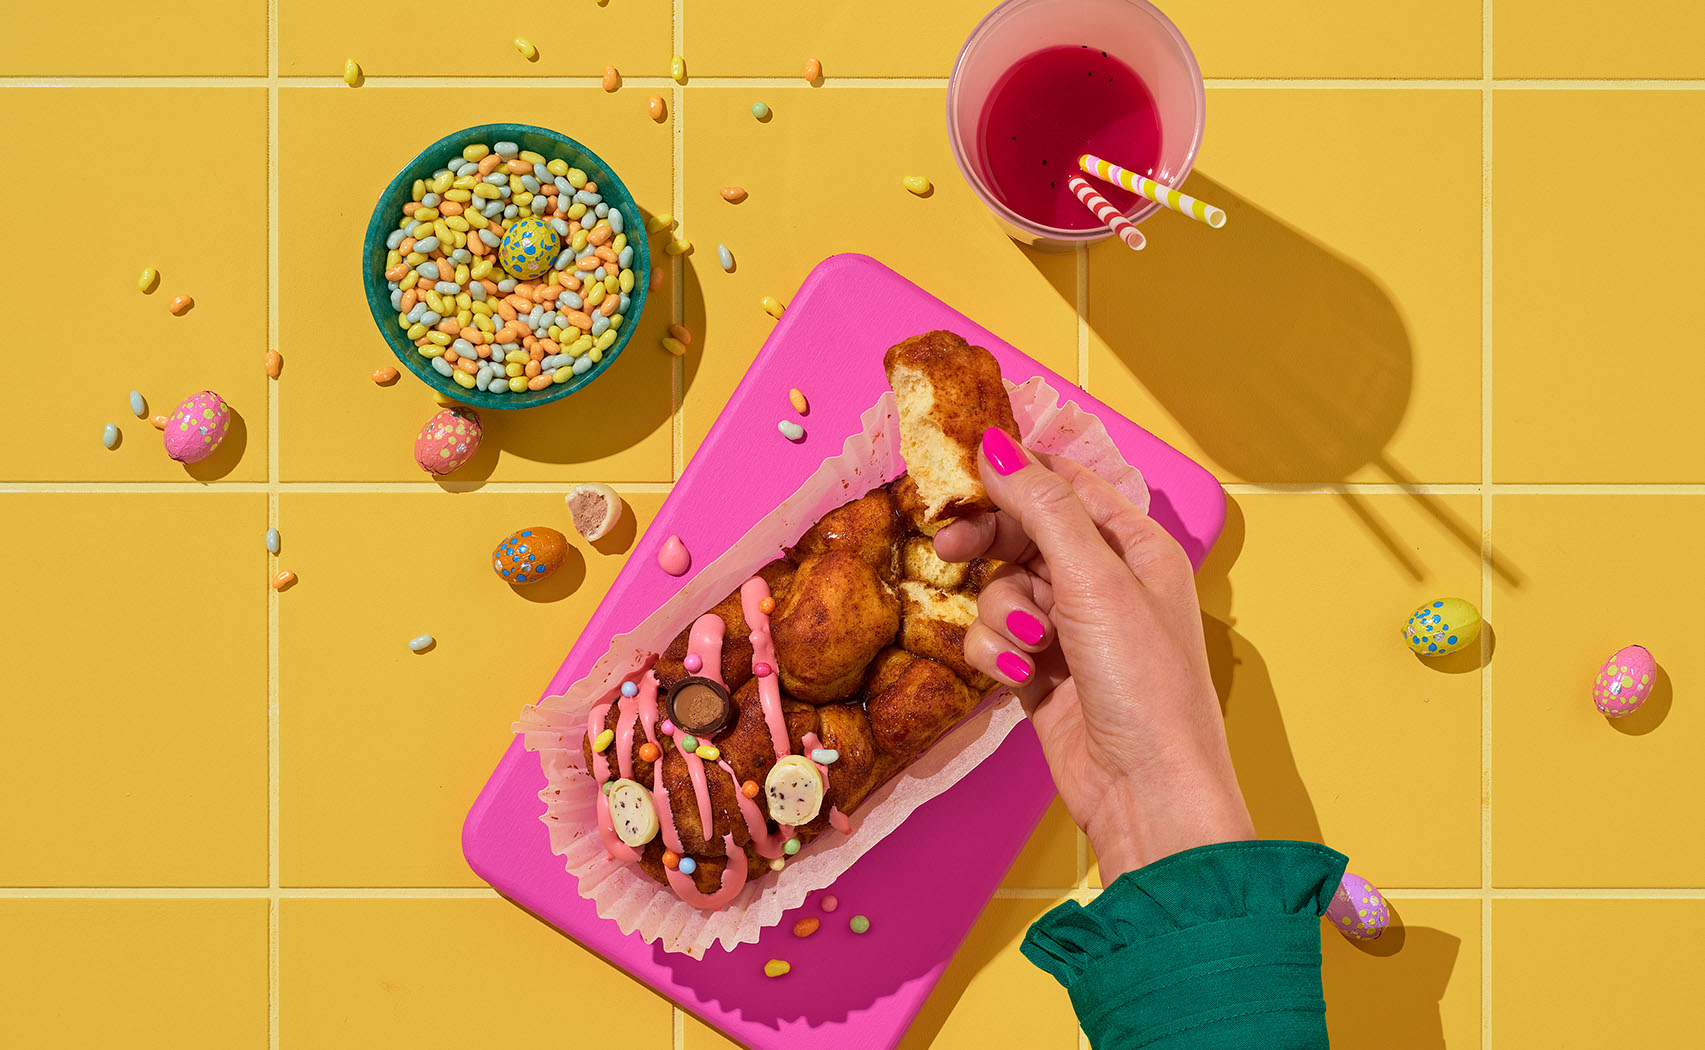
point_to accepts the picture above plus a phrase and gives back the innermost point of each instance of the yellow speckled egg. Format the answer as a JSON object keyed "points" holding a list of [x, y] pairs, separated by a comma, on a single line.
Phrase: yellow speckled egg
{"points": [[1442, 626], [528, 248]]}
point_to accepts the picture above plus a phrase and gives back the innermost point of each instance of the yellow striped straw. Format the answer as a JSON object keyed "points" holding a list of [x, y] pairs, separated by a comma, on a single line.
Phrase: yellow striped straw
{"points": [[1166, 196]]}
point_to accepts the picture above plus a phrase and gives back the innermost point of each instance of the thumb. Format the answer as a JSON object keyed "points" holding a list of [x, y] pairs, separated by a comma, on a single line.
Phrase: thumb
{"points": [[1043, 504]]}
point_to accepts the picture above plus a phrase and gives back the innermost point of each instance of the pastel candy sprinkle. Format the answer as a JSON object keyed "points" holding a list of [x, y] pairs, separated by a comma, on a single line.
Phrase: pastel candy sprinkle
{"points": [[825, 755], [830, 903], [692, 663], [421, 642], [688, 865], [791, 430], [777, 968], [859, 924], [689, 743], [777, 864], [760, 111], [762, 670], [630, 689], [790, 847]]}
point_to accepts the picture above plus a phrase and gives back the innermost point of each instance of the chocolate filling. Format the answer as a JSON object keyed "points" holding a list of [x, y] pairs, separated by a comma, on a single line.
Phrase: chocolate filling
{"points": [[700, 706]]}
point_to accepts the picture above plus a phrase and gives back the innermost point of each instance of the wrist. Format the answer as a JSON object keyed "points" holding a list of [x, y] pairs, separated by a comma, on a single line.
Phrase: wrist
{"points": [[1140, 821]]}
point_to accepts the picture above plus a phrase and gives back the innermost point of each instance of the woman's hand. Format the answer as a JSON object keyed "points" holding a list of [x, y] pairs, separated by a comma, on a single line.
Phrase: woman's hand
{"points": [[1094, 623]]}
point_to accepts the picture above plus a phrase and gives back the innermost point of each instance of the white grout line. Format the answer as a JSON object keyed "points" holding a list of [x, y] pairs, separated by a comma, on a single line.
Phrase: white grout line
{"points": [[851, 82], [1486, 16], [272, 456]]}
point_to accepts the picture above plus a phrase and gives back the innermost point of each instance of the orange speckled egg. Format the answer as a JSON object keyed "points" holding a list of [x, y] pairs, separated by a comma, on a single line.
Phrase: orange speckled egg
{"points": [[529, 555]]}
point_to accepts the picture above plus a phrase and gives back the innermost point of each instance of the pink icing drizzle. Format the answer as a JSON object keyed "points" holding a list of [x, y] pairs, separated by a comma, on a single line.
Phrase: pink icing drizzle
{"points": [[613, 844], [733, 875], [594, 726], [704, 641], [839, 821], [644, 706], [767, 845], [673, 557], [752, 594]]}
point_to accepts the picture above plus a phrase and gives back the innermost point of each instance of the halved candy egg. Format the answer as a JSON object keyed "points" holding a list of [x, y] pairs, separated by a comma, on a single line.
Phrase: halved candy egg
{"points": [[1442, 626], [794, 790], [1358, 910], [1625, 681], [631, 812]]}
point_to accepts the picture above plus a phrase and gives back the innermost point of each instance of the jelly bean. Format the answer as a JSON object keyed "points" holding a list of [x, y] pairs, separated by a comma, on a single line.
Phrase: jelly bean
{"points": [[611, 79], [674, 346], [813, 71], [679, 246], [807, 926], [733, 194], [109, 435], [517, 384], [777, 968], [421, 642], [773, 306], [157, 421], [825, 756], [528, 51], [272, 541], [654, 106], [760, 111], [274, 362], [707, 752], [798, 401], [678, 69], [383, 375], [660, 222], [791, 430], [506, 150], [284, 579], [138, 407], [725, 257], [180, 305], [150, 277], [441, 368], [859, 924], [603, 742], [918, 184], [351, 72]]}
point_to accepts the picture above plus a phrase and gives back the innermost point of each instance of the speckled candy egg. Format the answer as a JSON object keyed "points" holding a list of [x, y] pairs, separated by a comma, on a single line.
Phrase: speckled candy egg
{"points": [[196, 427], [448, 440], [529, 555], [1358, 910], [1625, 681], [1442, 626], [528, 248]]}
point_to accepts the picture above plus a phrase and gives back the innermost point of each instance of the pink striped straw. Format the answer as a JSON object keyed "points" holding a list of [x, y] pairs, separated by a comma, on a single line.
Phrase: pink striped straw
{"points": [[1107, 213]]}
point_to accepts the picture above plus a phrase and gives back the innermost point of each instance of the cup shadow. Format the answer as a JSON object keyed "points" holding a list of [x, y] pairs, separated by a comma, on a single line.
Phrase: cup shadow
{"points": [[1385, 993], [1286, 363]]}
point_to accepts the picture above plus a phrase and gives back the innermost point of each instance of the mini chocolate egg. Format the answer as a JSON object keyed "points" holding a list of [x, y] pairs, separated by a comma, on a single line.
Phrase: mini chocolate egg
{"points": [[529, 555], [701, 706], [1358, 910], [196, 427], [448, 440], [529, 247], [1625, 681], [1442, 626]]}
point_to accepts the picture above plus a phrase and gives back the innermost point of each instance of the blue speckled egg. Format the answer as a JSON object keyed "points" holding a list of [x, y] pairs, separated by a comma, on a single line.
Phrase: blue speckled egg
{"points": [[529, 555], [529, 247], [1442, 626]]}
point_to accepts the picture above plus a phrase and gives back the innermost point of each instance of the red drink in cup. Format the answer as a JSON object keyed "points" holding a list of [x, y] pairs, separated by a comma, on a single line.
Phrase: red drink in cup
{"points": [[1040, 82]]}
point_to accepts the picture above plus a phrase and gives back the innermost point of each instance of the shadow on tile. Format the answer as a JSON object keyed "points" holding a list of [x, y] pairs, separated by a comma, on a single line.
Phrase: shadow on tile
{"points": [[1389, 1001], [1278, 800], [997, 927], [226, 457], [1652, 713], [1284, 361]]}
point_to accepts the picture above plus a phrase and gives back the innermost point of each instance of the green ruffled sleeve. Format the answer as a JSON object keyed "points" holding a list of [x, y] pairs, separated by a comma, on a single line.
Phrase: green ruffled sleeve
{"points": [[1210, 948]]}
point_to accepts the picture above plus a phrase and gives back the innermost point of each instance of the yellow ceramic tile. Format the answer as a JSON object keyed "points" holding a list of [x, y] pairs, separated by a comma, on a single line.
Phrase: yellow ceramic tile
{"points": [[400, 974], [382, 749], [136, 344], [1318, 336], [815, 189], [1579, 799], [1339, 734], [316, 37], [1643, 38], [114, 38], [1595, 335], [334, 424], [1331, 38], [877, 38], [135, 735], [1416, 988], [974, 1003], [1049, 859], [92, 973], [1584, 974]]}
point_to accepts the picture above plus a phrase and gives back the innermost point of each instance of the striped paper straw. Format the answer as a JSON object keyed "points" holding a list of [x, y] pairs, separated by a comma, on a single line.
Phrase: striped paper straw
{"points": [[1183, 203], [1105, 211]]}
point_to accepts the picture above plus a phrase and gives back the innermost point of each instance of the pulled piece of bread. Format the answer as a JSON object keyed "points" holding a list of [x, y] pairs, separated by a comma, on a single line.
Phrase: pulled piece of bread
{"points": [[949, 392]]}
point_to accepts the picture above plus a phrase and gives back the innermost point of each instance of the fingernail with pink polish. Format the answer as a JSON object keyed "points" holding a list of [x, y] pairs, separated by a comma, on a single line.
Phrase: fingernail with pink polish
{"points": [[1025, 627], [1002, 452], [1015, 667]]}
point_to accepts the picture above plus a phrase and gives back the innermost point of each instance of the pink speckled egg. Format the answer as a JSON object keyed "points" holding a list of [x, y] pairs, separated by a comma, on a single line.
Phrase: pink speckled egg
{"points": [[1625, 681], [1358, 910], [196, 427], [448, 440]]}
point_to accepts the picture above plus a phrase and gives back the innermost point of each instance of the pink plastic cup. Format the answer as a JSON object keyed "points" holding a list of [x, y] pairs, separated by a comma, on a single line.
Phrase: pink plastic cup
{"points": [[1135, 32]]}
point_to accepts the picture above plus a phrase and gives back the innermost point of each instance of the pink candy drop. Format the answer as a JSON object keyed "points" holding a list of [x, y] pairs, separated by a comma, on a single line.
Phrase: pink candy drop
{"points": [[692, 663], [763, 670]]}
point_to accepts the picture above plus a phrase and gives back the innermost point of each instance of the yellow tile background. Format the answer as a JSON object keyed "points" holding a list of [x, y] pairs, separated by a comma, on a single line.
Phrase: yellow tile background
{"points": [[1422, 357]]}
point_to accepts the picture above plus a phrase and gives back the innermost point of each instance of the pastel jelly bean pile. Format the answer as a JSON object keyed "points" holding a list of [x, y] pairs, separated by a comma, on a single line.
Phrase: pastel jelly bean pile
{"points": [[508, 271]]}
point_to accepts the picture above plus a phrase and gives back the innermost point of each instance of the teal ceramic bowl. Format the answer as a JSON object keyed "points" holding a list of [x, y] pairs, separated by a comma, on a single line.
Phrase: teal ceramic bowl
{"points": [[548, 144]]}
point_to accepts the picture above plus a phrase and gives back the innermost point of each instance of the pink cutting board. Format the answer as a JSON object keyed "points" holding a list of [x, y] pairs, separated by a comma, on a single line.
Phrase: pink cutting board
{"points": [[925, 885]]}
